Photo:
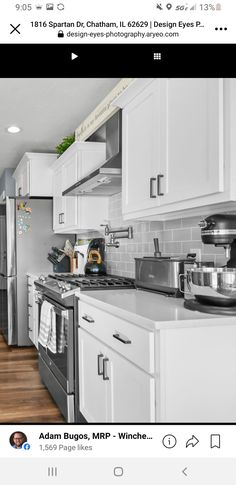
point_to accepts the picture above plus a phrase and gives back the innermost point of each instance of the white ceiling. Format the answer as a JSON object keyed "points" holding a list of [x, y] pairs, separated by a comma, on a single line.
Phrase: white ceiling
{"points": [[47, 110]]}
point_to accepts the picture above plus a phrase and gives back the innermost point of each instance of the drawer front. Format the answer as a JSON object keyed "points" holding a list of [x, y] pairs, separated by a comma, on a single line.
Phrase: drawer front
{"points": [[131, 341]]}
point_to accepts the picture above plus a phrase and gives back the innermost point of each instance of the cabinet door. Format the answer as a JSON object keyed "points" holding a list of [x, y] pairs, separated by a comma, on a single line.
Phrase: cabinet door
{"points": [[92, 387], [198, 374], [92, 212], [192, 165], [70, 217], [66, 207], [141, 152], [58, 201], [70, 172], [131, 392]]}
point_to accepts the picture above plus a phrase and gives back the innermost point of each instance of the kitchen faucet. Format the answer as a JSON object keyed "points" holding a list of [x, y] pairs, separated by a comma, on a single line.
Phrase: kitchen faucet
{"points": [[117, 233]]}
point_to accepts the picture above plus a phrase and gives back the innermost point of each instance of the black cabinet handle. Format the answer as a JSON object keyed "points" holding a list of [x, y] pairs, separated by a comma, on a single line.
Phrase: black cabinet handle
{"points": [[88, 319], [123, 339], [100, 367], [151, 180], [30, 306], [104, 372], [159, 177]]}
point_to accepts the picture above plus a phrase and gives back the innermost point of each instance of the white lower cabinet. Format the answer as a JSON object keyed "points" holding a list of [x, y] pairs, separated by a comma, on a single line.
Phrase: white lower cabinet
{"points": [[92, 387], [198, 374], [130, 373], [131, 396], [112, 389]]}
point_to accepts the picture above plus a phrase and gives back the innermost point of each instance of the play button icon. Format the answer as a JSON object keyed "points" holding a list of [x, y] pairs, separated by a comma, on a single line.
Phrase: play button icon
{"points": [[73, 56]]}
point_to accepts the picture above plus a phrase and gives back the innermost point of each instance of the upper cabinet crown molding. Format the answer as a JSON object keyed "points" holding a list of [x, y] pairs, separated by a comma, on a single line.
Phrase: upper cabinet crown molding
{"points": [[133, 90], [33, 175], [103, 111]]}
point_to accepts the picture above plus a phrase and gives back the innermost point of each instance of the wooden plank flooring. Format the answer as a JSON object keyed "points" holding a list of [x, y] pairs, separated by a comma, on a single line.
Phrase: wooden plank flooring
{"points": [[23, 397]]}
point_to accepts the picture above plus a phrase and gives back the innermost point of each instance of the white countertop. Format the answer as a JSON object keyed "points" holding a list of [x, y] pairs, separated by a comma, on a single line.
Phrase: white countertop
{"points": [[151, 310]]}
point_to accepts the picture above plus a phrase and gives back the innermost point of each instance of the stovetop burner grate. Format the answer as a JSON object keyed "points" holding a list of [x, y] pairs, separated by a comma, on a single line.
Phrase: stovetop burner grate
{"points": [[94, 281]]}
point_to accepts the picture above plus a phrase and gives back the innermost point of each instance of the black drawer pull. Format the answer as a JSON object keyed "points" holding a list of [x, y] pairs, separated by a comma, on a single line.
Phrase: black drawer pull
{"points": [[88, 319], [100, 367], [30, 306], [151, 180], [105, 376], [123, 339], [159, 177]]}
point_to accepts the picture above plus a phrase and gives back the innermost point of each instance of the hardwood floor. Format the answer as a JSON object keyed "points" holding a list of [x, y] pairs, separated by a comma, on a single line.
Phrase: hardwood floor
{"points": [[23, 397]]}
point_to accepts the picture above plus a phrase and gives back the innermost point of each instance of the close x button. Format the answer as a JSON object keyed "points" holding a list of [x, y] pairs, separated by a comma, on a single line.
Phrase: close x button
{"points": [[15, 29]]}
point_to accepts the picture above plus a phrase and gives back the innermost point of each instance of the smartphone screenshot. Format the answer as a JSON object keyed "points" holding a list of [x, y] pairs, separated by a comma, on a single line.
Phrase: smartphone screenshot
{"points": [[118, 242]]}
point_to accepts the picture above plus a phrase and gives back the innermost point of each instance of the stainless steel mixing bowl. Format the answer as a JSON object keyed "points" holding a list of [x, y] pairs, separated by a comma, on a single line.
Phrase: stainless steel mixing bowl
{"points": [[215, 286]]}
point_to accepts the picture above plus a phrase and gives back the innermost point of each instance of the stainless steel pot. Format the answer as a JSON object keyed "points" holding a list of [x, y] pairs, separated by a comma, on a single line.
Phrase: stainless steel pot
{"points": [[215, 286]]}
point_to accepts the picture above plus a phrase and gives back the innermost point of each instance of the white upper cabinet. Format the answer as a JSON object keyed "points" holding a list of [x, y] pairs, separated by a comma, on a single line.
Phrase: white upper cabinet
{"points": [[33, 175], [179, 147], [193, 159], [71, 213], [141, 155], [80, 159], [58, 201]]}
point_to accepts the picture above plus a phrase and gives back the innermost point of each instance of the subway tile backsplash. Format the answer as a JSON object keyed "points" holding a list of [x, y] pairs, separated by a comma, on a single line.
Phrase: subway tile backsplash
{"points": [[176, 237]]}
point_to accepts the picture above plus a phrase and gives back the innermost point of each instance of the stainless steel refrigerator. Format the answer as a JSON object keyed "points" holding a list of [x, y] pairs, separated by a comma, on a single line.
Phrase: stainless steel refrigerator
{"points": [[26, 237]]}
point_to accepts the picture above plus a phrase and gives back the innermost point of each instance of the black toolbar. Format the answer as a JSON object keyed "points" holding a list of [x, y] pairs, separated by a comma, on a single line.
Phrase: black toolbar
{"points": [[118, 60]]}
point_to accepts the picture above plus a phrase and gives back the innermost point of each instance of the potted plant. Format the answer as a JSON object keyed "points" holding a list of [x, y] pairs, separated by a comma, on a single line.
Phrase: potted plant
{"points": [[66, 143]]}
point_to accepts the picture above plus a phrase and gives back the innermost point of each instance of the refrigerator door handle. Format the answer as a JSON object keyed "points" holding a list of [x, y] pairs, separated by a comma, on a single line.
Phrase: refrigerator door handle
{"points": [[11, 236]]}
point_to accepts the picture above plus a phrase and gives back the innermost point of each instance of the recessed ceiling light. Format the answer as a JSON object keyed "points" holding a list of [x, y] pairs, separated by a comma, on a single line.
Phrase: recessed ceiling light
{"points": [[13, 129]]}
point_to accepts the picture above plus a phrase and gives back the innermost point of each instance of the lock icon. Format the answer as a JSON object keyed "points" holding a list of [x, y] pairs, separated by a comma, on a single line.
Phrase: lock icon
{"points": [[60, 33]]}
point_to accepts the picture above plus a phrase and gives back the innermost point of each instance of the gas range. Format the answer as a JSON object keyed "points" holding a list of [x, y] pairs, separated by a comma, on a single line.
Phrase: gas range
{"points": [[66, 284]]}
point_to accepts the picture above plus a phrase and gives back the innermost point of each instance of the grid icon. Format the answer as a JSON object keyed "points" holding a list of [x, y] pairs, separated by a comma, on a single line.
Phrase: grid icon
{"points": [[157, 56]]}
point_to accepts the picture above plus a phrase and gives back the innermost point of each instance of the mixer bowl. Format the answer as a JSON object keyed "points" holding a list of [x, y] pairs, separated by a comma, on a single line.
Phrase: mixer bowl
{"points": [[214, 286]]}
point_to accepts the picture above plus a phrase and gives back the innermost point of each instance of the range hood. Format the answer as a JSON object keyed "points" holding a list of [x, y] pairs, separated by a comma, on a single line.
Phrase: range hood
{"points": [[105, 180]]}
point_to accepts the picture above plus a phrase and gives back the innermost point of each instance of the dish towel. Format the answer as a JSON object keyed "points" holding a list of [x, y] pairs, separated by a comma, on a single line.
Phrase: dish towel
{"points": [[52, 340], [47, 331], [45, 323]]}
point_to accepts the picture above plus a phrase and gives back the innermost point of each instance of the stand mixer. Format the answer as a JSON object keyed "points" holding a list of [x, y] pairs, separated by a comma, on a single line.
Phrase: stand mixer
{"points": [[220, 230], [213, 290]]}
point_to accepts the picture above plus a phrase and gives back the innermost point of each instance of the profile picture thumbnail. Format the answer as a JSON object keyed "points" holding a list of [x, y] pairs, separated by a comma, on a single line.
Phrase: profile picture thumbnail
{"points": [[17, 439]]}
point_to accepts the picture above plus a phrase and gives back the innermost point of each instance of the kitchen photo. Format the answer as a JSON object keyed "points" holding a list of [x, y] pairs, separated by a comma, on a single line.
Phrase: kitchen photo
{"points": [[117, 250]]}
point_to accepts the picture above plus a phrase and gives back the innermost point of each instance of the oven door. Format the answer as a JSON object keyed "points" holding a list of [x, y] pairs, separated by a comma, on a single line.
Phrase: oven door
{"points": [[61, 363]]}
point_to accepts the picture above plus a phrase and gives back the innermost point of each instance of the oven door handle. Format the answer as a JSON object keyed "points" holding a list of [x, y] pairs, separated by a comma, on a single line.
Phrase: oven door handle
{"points": [[62, 313], [57, 308]]}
